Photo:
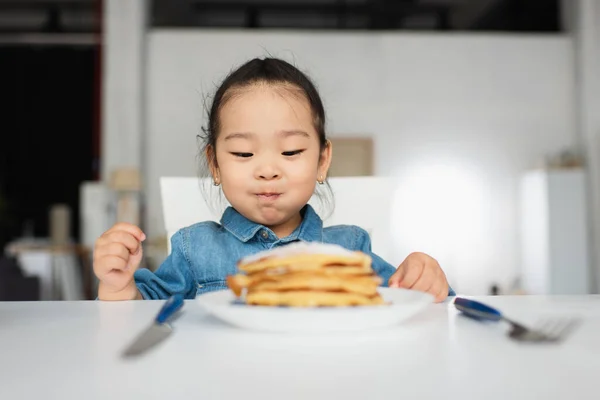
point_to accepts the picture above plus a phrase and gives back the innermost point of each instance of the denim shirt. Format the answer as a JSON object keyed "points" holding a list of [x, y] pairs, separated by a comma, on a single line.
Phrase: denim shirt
{"points": [[204, 254]]}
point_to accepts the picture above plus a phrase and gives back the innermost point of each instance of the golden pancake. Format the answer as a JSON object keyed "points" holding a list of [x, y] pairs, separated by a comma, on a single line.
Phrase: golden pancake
{"points": [[305, 256], [307, 275], [308, 298], [305, 281], [311, 262], [324, 280], [237, 283]]}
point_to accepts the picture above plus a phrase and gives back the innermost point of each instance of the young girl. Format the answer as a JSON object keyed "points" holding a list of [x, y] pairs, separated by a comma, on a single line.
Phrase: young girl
{"points": [[267, 149]]}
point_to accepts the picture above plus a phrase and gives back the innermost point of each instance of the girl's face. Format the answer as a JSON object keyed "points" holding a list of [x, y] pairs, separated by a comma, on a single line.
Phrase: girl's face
{"points": [[268, 158]]}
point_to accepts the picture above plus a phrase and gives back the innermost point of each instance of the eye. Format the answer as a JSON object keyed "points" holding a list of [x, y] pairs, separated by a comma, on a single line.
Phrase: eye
{"points": [[292, 153], [242, 155]]}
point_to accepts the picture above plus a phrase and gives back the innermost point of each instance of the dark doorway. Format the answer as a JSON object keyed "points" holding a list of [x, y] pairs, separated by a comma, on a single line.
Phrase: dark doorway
{"points": [[47, 133]]}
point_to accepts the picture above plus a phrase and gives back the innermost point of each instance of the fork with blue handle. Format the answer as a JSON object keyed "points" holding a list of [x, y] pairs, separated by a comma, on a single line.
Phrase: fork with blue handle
{"points": [[551, 330]]}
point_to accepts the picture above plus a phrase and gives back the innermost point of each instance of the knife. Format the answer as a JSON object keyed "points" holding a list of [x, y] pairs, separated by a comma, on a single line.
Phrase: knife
{"points": [[159, 330]]}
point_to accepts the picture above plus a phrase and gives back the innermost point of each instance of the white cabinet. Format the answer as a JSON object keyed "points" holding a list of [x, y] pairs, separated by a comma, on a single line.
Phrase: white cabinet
{"points": [[554, 232]]}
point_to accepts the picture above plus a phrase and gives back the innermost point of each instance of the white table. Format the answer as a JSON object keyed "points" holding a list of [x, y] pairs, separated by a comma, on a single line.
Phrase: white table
{"points": [[70, 350]]}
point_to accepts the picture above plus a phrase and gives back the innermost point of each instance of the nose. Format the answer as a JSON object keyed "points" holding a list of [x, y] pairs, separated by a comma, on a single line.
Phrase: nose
{"points": [[268, 171], [268, 175]]}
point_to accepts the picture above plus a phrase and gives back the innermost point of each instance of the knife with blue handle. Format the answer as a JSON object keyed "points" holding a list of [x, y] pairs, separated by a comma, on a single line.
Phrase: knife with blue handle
{"points": [[477, 310], [159, 330]]}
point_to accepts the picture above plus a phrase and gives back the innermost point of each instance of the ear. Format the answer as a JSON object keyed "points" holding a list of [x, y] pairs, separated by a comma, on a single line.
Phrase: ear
{"points": [[325, 160], [211, 159]]}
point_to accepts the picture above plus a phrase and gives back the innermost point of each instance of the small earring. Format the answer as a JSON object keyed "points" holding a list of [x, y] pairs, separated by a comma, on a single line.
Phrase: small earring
{"points": [[216, 183], [321, 180]]}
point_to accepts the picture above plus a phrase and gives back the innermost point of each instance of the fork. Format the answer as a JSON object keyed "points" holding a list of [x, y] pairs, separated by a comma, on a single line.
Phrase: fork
{"points": [[552, 330]]}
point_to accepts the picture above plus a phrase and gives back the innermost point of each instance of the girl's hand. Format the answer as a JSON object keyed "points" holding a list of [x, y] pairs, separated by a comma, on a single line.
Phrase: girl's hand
{"points": [[117, 255], [421, 272]]}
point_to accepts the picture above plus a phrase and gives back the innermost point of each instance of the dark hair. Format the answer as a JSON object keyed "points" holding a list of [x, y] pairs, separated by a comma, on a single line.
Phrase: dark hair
{"points": [[271, 71]]}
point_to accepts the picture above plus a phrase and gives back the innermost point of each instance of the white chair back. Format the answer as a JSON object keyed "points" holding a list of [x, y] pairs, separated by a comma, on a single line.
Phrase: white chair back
{"points": [[361, 201]]}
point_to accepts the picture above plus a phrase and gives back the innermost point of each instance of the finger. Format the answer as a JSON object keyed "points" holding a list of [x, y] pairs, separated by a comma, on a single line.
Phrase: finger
{"points": [[116, 279], [441, 293], [126, 239], [126, 227], [412, 274], [426, 280], [437, 286], [396, 278], [109, 263], [113, 249]]}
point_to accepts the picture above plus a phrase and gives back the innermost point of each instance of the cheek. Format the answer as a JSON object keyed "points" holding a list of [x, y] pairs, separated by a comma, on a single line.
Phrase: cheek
{"points": [[235, 173], [302, 171], [231, 172], [234, 182]]}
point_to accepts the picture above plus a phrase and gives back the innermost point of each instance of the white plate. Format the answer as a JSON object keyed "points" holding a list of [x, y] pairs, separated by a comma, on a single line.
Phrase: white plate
{"points": [[403, 305]]}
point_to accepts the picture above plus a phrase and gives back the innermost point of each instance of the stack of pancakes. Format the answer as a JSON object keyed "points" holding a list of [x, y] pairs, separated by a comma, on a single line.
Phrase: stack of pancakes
{"points": [[305, 274]]}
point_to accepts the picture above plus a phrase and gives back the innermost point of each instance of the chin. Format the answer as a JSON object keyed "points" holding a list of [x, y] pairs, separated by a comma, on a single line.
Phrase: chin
{"points": [[273, 216], [270, 216]]}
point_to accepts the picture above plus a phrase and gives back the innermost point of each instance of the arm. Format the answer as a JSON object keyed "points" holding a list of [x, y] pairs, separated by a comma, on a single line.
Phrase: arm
{"points": [[173, 276], [386, 271], [362, 242]]}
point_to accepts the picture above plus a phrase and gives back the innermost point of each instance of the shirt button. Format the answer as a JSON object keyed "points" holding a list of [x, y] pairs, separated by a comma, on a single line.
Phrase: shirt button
{"points": [[265, 234]]}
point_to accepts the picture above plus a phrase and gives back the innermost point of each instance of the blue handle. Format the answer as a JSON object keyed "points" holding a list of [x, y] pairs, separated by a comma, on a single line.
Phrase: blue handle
{"points": [[477, 310], [171, 306]]}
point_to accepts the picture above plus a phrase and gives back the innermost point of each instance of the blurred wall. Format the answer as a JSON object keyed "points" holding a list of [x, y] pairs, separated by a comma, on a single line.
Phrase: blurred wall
{"points": [[456, 118]]}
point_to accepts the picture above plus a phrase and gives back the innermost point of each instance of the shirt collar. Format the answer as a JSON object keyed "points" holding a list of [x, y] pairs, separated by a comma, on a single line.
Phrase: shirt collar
{"points": [[310, 229]]}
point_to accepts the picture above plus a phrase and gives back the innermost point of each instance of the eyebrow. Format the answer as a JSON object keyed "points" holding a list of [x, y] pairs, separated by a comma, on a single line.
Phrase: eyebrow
{"points": [[294, 133], [238, 135], [248, 135]]}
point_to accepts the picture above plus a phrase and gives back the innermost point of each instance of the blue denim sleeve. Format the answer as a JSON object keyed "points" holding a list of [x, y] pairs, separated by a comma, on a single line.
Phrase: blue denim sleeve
{"points": [[381, 267], [174, 275]]}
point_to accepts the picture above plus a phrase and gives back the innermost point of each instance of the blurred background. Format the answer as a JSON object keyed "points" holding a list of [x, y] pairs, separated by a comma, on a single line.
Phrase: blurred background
{"points": [[484, 113]]}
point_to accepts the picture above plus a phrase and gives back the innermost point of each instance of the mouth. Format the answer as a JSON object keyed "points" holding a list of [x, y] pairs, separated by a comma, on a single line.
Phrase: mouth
{"points": [[269, 196]]}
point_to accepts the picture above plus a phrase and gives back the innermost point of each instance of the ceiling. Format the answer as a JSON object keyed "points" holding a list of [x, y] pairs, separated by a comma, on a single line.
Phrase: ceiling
{"points": [[82, 16]]}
